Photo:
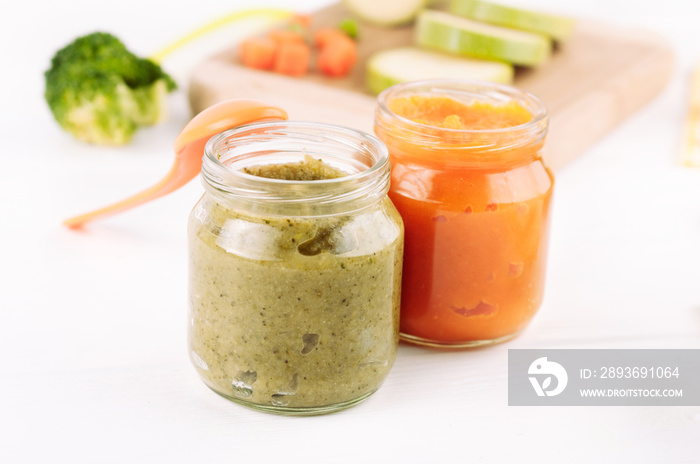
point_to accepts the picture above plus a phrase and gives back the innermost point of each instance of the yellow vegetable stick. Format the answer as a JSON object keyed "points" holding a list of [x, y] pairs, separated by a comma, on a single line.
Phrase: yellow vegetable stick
{"points": [[690, 151], [272, 13]]}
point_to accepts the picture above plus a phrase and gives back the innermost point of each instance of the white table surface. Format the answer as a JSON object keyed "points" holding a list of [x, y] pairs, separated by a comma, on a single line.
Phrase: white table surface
{"points": [[92, 328]]}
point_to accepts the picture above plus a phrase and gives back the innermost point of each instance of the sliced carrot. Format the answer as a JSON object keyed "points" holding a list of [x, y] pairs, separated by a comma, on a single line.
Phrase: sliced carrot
{"points": [[293, 59], [282, 36], [325, 35], [337, 56], [258, 53]]}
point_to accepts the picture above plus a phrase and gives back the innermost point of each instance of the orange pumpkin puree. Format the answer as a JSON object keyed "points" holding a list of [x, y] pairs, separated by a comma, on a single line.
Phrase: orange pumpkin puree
{"points": [[476, 232], [450, 114]]}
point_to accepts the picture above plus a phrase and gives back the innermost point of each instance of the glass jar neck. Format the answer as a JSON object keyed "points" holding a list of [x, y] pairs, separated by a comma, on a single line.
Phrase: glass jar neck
{"points": [[362, 157], [491, 148]]}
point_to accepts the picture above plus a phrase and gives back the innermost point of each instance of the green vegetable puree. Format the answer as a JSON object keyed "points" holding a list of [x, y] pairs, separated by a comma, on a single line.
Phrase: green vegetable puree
{"points": [[309, 169], [294, 312]]}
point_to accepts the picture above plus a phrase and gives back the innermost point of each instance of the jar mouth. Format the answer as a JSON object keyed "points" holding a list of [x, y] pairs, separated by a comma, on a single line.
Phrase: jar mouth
{"points": [[473, 148], [465, 91], [300, 131], [362, 157]]}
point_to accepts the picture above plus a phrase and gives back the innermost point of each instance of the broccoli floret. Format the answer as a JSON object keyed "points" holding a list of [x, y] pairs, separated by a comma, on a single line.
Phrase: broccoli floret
{"points": [[101, 92]]}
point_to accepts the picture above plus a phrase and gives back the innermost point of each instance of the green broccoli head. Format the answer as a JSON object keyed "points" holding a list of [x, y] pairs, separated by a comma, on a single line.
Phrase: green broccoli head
{"points": [[101, 93]]}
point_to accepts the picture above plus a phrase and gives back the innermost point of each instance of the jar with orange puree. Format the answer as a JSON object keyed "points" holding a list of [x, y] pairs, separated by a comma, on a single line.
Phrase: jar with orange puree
{"points": [[470, 183]]}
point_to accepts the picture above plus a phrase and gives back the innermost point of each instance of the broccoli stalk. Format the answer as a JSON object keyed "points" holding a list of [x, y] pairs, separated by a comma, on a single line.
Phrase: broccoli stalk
{"points": [[101, 93]]}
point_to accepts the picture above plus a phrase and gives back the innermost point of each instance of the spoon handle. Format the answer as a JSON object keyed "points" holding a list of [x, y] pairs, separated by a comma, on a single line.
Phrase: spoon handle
{"points": [[189, 147]]}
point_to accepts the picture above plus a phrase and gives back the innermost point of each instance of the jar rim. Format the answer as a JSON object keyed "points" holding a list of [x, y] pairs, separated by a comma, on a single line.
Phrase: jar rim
{"points": [[533, 104], [363, 158], [377, 145]]}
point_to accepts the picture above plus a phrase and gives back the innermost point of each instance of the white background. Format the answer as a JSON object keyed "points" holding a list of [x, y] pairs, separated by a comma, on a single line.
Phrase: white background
{"points": [[92, 324]]}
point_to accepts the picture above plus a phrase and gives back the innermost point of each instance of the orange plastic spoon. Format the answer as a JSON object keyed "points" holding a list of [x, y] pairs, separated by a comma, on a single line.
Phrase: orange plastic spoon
{"points": [[189, 148]]}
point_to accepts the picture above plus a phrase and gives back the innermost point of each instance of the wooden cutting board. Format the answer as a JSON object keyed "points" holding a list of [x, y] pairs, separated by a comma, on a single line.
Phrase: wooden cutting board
{"points": [[592, 83]]}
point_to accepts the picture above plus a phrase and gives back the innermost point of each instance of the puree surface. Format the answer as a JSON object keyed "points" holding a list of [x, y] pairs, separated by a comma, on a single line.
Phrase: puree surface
{"points": [[294, 312], [308, 169], [448, 113]]}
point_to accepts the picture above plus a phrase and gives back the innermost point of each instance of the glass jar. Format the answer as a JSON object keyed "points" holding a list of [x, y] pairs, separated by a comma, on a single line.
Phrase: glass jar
{"points": [[475, 204], [294, 284]]}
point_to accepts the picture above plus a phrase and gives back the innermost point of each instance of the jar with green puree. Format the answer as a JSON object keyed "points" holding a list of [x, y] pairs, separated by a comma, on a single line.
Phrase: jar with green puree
{"points": [[295, 256]]}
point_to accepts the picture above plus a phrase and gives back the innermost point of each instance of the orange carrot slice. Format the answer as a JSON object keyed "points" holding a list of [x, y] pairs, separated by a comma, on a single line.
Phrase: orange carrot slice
{"points": [[338, 56], [325, 35], [293, 59], [283, 36], [258, 53]]}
